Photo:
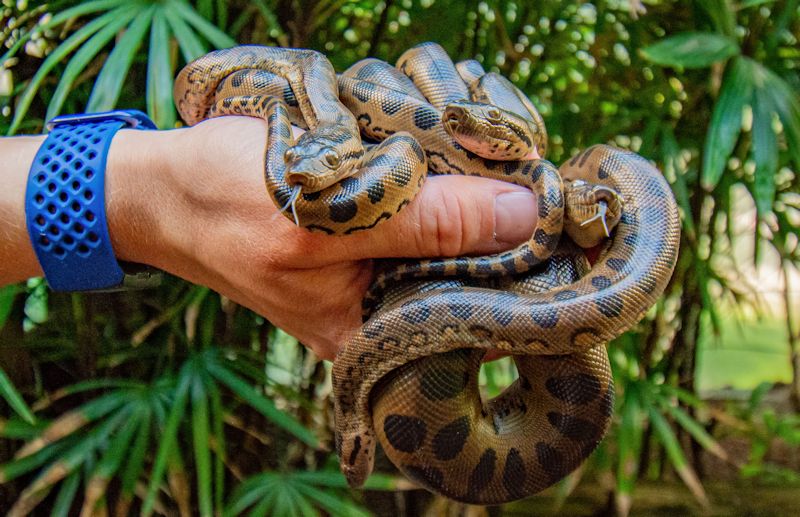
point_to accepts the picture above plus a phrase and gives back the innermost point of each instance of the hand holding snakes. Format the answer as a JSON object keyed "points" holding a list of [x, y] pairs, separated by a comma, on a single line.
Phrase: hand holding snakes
{"points": [[409, 377]]}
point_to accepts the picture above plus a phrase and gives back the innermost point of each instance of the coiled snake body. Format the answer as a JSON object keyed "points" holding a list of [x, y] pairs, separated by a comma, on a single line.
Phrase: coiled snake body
{"points": [[408, 378]]}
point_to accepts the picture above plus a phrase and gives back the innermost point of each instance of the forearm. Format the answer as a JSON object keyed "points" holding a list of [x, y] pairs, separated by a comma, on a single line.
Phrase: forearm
{"points": [[17, 259]]}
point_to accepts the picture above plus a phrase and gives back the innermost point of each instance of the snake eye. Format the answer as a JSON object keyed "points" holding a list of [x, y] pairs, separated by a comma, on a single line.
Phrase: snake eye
{"points": [[493, 113], [332, 158], [288, 156]]}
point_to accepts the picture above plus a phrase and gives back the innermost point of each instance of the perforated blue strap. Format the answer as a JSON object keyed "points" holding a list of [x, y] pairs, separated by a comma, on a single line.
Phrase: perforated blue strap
{"points": [[65, 201]]}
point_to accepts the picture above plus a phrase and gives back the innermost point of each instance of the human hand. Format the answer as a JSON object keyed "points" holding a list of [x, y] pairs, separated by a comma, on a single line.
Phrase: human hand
{"points": [[192, 202]]}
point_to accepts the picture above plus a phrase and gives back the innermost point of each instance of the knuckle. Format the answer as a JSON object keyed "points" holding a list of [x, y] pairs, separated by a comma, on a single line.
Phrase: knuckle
{"points": [[442, 225]]}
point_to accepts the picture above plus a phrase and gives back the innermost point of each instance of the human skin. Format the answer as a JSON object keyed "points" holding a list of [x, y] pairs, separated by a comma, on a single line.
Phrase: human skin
{"points": [[192, 202]]}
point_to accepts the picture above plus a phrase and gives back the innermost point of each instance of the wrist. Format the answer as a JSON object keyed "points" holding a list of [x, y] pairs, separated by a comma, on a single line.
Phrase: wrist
{"points": [[137, 196]]}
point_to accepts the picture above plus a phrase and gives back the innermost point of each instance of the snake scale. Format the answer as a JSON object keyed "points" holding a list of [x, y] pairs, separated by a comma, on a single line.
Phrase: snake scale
{"points": [[408, 378]]}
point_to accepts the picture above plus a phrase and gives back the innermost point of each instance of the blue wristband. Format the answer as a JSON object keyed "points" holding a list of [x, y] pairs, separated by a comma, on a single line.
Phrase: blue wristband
{"points": [[65, 204]]}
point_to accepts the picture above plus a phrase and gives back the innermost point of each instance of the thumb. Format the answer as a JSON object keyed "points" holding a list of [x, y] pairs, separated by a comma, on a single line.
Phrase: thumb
{"points": [[451, 216]]}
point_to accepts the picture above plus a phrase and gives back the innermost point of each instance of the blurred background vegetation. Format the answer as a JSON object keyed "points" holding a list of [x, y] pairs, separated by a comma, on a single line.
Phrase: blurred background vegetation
{"points": [[178, 402]]}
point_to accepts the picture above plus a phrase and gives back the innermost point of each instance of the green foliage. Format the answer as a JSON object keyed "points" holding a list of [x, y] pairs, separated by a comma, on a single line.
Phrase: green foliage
{"points": [[178, 400], [691, 50]]}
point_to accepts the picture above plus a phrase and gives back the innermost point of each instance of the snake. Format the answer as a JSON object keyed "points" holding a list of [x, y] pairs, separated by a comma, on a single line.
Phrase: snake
{"points": [[407, 379], [332, 183]]}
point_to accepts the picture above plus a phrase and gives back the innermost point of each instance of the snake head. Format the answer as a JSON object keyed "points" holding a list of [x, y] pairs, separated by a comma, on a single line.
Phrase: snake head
{"points": [[491, 132], [592, 211], [314, 167], [318, 160]]}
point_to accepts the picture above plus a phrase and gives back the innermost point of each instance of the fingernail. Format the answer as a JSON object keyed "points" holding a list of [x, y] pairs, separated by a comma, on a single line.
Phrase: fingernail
{"points": [[514, 217]]}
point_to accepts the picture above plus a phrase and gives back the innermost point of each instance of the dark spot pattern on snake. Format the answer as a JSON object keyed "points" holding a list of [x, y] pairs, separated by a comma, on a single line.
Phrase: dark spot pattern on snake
{"points": [[373, 330], [415, 311], [502, 314], [343, 210], [363, 90], [545, 316], [514, 474], [601, 282], [388, 344], [405, 433], [609, 305], [391, 104], [602, 171], [427, 475], [355, 451], [483, 267], [573, 427], [567, 294], [628, 218], [552, 461], [607, 402], [617, 264], [289, 97], [375, 192], [579, 388], [369, 70], [450, 439], [541, 237], [461, 310], [509, 264], [482, 474], [426, 117]]}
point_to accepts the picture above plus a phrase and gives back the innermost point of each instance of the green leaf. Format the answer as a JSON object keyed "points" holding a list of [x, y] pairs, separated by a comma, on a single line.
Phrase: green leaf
{"points": [[726, 122], [335, 479], [108, 85], [159, 74], [117, 451], [190, 45], [17, 467], [205, 8], [201, 440], [55, 57], [218, 423], [765, 153], [36, 306], [261, 404], [14, 399], [691, 50], [68, 462], [722, 14], [136, 457], [7, 296], [694, 428], [251, 491], [59, 18], [630, 438], [217, 38], [672, 163], [785, 103], [66, 496], [675, 454], [18, 429], [753, 3], [84, 55], [168, 438], [330, 503]]}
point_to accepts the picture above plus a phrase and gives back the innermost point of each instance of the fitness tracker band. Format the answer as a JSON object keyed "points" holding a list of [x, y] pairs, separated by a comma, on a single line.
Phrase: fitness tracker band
{"points": [[65, 205]]}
